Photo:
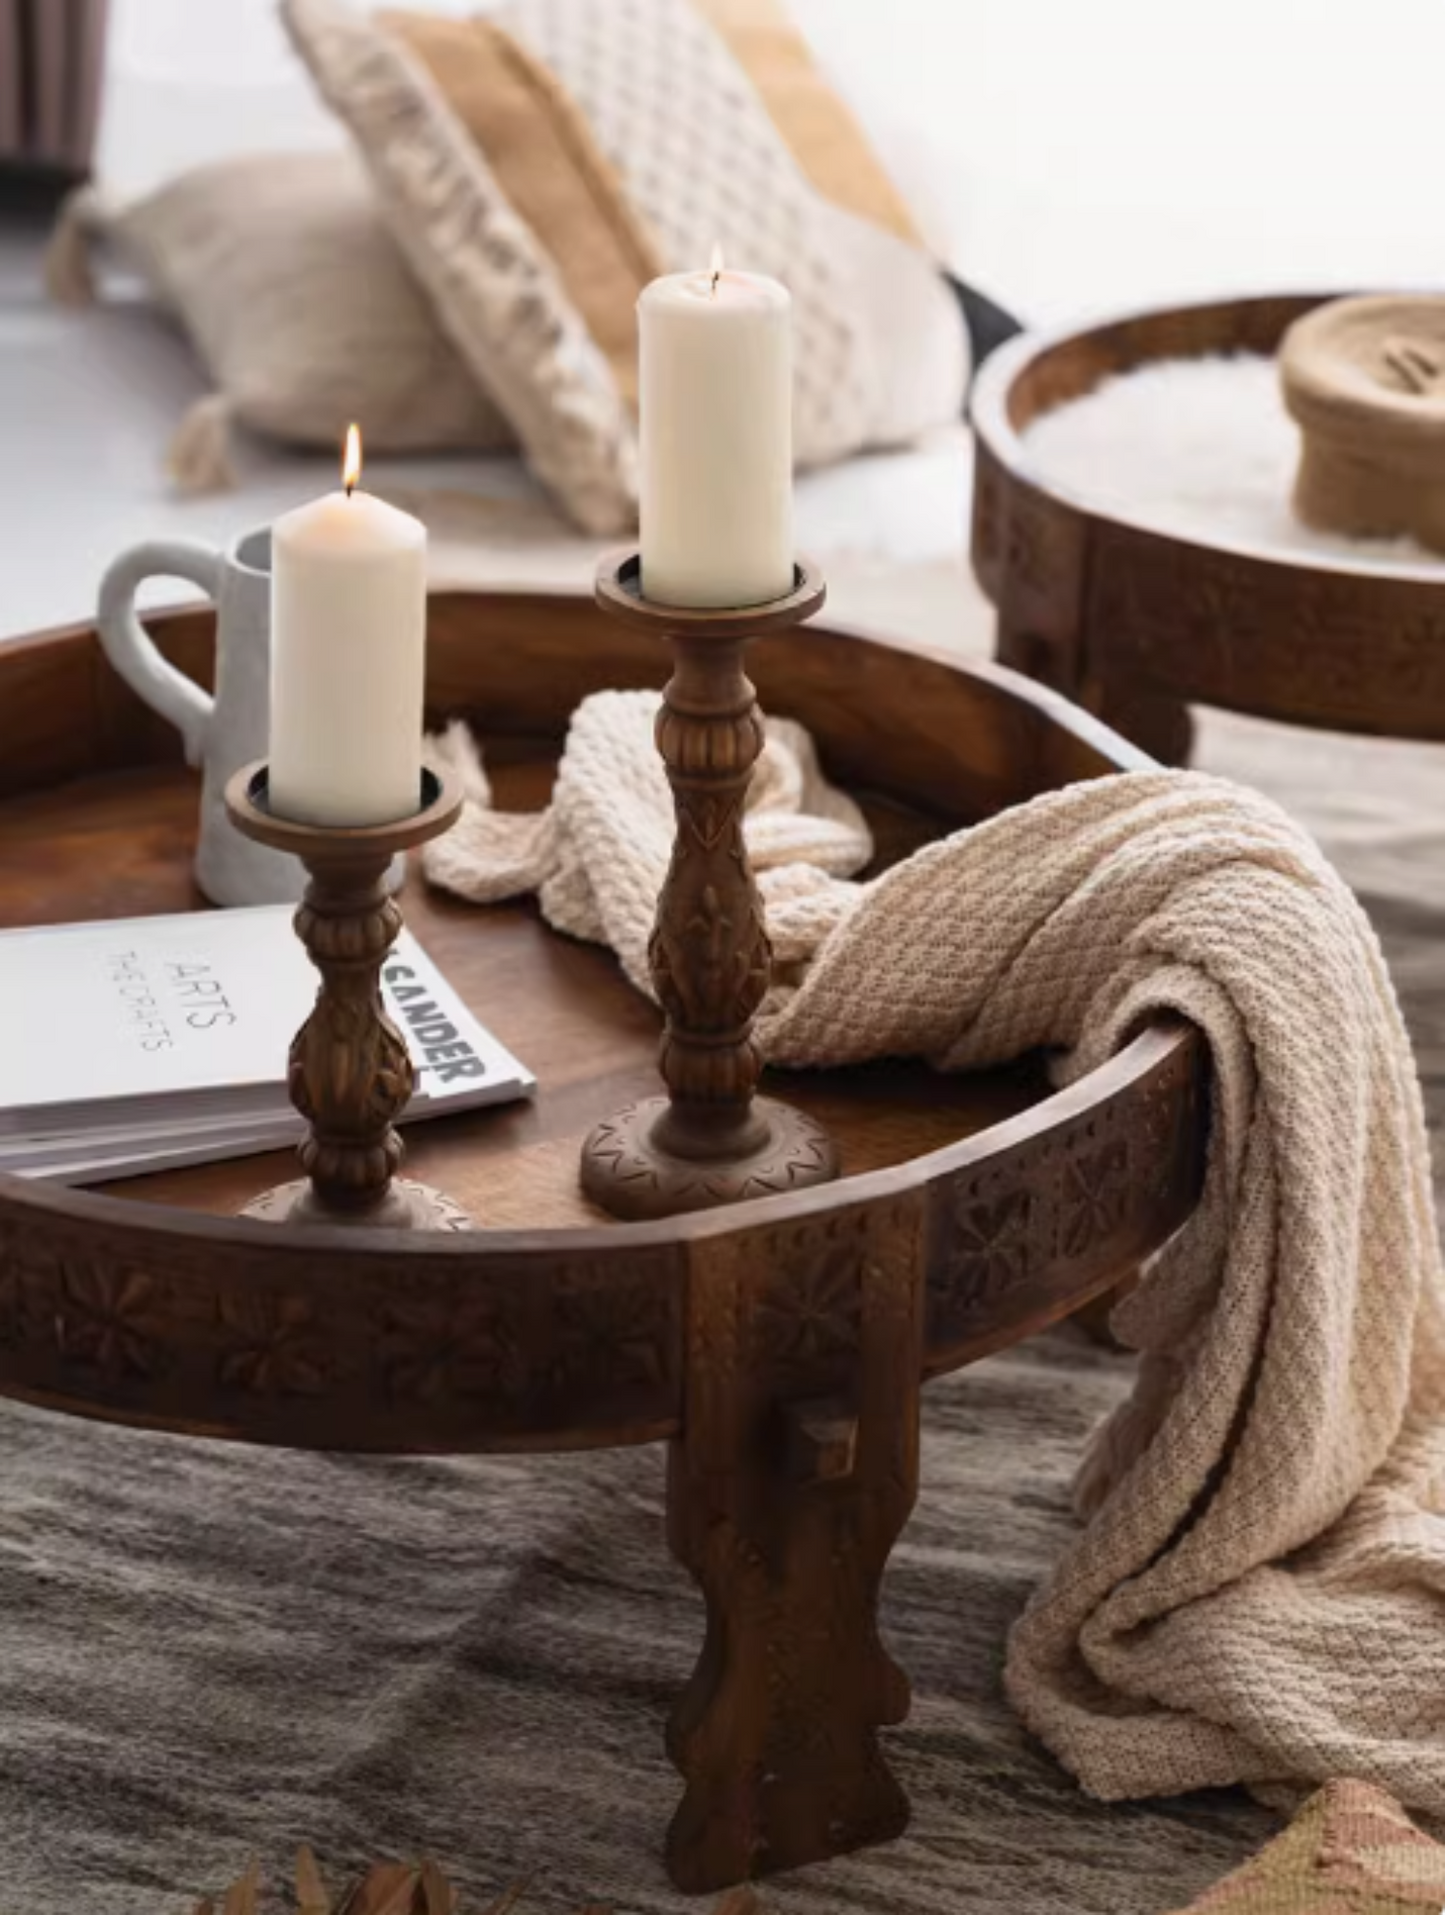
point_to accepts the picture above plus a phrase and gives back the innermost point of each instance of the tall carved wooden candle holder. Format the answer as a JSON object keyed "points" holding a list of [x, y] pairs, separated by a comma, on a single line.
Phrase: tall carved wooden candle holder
{"points": [[710, 1140], [350, 1073]]}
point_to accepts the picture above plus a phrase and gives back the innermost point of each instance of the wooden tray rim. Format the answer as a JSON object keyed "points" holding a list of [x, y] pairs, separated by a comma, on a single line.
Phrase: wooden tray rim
{"points": [[1127, 1068], [1090, 731], [213, 1295]]}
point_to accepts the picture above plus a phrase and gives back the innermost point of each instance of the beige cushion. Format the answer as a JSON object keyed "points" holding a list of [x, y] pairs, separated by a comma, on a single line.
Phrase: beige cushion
{"points": [[693, 149], [827, 141], [702, 124], [551, 170], [492, 287], [305, 313], [542, 163]]}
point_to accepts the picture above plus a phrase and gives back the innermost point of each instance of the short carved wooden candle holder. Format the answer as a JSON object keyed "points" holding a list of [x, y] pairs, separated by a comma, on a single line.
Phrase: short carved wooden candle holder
{"points": [[350, 1073], [710, 1140]]}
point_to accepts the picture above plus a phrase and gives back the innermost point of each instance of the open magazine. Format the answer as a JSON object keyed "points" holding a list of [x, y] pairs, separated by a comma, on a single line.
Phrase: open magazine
{"points": [[146, 1043]]}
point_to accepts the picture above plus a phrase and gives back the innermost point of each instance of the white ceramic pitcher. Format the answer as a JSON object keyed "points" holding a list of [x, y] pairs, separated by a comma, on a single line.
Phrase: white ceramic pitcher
{"points": [[223, 732]]}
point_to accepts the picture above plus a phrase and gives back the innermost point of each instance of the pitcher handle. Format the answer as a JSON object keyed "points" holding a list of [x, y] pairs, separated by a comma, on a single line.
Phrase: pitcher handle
{"points": [[132, 650]]}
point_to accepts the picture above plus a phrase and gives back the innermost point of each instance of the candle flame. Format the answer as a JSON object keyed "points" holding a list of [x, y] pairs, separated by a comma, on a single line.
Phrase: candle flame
{"points": [[715, 267], [351, 464]]}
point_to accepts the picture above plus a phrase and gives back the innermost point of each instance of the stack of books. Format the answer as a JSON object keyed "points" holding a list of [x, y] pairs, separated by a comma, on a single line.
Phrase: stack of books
{"points": [[148, 1043]]}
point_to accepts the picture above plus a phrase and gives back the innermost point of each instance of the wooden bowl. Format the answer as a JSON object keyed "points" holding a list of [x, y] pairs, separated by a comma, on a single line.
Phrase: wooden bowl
{"points": [[1365, 380], [1136, 622], [781, 1344]]}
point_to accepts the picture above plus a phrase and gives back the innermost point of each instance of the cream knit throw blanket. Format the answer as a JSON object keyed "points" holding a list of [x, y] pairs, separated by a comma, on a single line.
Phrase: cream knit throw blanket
{"points": [[1257, 1592]]}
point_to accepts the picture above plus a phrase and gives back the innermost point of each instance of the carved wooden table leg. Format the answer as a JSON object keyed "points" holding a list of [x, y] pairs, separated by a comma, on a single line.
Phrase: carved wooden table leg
{"points": [[711, 1139], [784, 1503]]}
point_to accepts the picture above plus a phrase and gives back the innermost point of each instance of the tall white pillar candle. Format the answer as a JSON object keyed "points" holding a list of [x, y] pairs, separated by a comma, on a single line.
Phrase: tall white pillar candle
{"points": [[348, 659], [716, 428]]}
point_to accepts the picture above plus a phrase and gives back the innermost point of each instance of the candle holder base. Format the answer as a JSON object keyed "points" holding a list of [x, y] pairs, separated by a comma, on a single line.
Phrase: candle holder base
{"points": [[628, 1169], [407, 1206]]}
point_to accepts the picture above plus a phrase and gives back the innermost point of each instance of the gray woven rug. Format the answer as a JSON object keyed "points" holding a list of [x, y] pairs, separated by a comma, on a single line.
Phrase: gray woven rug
{"points": [[209, 1653]]}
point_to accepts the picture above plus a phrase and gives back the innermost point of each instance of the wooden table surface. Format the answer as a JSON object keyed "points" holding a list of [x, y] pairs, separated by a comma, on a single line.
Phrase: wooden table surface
{"points": [[119, 844]]}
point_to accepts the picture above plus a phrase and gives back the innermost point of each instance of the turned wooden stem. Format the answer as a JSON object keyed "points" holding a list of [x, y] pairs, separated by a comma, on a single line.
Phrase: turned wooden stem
{"points": [[711, 1140], [710, 954], [350, 1073]]}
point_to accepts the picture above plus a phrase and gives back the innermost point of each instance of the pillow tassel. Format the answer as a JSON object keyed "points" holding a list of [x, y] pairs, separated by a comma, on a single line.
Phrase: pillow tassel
{"points": [[199, 457], [68, 277]]}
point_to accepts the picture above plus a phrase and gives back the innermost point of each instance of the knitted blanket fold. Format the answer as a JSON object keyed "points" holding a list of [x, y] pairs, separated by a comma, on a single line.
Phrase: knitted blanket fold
{"points": [[1257, 1591]]}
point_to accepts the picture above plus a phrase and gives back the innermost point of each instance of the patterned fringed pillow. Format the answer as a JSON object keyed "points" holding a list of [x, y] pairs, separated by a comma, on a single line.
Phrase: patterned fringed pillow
{"points": [[539, 164], [298, 302]]}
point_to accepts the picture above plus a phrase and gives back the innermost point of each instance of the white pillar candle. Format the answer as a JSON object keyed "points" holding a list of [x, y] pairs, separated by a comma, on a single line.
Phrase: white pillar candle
{"points": [[716, 428], [348, 658]]}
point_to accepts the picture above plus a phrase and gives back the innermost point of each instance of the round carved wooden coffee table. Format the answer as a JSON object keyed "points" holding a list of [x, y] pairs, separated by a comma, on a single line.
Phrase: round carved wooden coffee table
{"points": [[1137, 623], [778, 1346]]}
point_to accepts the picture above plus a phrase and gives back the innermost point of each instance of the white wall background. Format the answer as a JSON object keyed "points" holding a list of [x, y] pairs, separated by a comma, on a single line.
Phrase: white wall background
{"points": [[1067, 154]]}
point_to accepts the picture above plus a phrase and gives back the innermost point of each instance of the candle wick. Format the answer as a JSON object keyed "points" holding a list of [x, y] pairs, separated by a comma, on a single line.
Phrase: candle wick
{"points": [[350, 487], [716, 276]]}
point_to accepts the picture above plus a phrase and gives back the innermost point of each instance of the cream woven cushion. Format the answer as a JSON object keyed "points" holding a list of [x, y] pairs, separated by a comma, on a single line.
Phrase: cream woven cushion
{"points": [[704, 122], [596, 143], [492, 287], [304, 312], [881, 352]]}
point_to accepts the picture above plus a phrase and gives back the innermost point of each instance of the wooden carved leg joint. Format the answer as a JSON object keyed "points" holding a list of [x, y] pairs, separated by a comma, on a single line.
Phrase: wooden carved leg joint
{"points": [[784, 1504], [820, 1439]]}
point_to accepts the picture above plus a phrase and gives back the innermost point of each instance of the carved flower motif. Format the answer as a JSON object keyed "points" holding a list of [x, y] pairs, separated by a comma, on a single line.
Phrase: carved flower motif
{"points": [[814, 1310], [990, 1246], [109, 1320], [434, 1352], [620, 1332], [1095, 1198], [277, 1351]]}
